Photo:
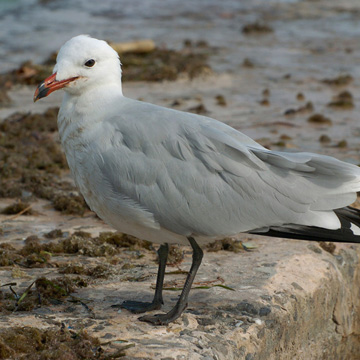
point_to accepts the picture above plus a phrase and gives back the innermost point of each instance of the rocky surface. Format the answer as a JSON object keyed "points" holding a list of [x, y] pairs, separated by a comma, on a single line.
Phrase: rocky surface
{"points": [[282, 299]]}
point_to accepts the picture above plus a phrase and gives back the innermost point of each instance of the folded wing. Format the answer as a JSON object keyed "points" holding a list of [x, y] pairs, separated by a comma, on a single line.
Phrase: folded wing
{"points": [[196, 176]]}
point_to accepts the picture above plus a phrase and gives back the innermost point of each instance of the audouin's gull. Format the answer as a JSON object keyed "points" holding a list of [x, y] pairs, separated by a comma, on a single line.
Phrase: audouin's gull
{"points": [[172, 177]]}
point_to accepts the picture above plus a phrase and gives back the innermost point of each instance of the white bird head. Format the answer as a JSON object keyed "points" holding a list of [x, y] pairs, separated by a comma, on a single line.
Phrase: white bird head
{"points": [[82, 63]]}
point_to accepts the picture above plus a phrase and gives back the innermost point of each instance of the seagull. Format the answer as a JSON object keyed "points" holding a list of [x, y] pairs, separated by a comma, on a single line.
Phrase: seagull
{"points": [[172, 177]]}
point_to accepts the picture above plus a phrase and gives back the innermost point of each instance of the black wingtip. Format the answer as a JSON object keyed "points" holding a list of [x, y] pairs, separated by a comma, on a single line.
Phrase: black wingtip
{"points": [[350, 223]]}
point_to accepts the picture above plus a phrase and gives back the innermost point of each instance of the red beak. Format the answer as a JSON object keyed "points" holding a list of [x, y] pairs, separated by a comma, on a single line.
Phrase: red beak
{"points": [[49, 85]]}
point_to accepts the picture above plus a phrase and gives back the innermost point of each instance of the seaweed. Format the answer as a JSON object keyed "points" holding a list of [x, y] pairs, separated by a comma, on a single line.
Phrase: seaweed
{"points": [[32, 162], [319, 119], [52, 343], [157, 65], [256, 28], [227, 244], [343, 101]]}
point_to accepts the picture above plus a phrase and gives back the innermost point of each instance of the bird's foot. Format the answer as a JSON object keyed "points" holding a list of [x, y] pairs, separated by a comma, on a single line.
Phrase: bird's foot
{"points": [[138, 307], [164, 319]]}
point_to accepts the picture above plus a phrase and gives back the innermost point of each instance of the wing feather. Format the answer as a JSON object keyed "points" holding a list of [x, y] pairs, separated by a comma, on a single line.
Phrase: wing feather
{"points": [[198, 176]]}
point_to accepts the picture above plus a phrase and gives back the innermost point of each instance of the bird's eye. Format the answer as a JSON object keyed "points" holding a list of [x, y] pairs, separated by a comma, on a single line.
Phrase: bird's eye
{"points": [[90, 63]]}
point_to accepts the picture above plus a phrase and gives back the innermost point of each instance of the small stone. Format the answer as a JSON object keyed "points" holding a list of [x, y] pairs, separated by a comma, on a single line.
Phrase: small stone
{"points": [[247, 308], [249, 356], [204, 321], [289, 112], [314, 248], [264, 311], [340, 259], [296, 286], [107, 335], [302, 109], [266, 297]]}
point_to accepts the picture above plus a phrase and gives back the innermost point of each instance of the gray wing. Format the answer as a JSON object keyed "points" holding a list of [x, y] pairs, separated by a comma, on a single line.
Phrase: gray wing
{"points": [[198, 176]]}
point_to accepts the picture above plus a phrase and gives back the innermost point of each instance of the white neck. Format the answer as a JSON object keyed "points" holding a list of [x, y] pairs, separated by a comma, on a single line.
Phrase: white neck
{"points": [[85, 110]]}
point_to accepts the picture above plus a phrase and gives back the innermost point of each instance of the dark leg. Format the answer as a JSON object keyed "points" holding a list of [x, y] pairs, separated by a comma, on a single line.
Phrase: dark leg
{"points": [[138, 307], [173, 314]]}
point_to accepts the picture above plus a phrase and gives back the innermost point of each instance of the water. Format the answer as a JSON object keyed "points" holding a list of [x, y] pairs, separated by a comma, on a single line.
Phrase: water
{"points": [[32, 29]]}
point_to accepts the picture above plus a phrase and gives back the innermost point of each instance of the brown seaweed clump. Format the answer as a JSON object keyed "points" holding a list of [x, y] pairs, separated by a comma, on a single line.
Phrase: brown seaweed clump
{"points": [[164, 64], [32, 255], [27, 74], [256, 28], [52, 344], [330, 247], [8, 255], [220, 100], [319, 119], [42, 291], [341, 80], [37, 254], [28, 152], [4, 98], [308, 107], [106, 244], [342, 101], [156, 65], [175, 256], [95, 272], [70, 203], [227, 244], [16, 208], [32, 162]]}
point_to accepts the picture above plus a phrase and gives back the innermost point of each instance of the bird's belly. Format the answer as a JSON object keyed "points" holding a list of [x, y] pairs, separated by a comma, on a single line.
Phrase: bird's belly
{"points": [[116, 212], [127, 225]]}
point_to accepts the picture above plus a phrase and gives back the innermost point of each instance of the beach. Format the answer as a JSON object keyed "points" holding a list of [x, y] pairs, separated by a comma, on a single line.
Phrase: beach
{"points": [[286, 73]]}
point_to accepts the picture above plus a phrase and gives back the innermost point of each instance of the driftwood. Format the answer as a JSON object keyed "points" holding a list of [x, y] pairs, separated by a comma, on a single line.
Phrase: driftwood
{"points": [[139, 46]]}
